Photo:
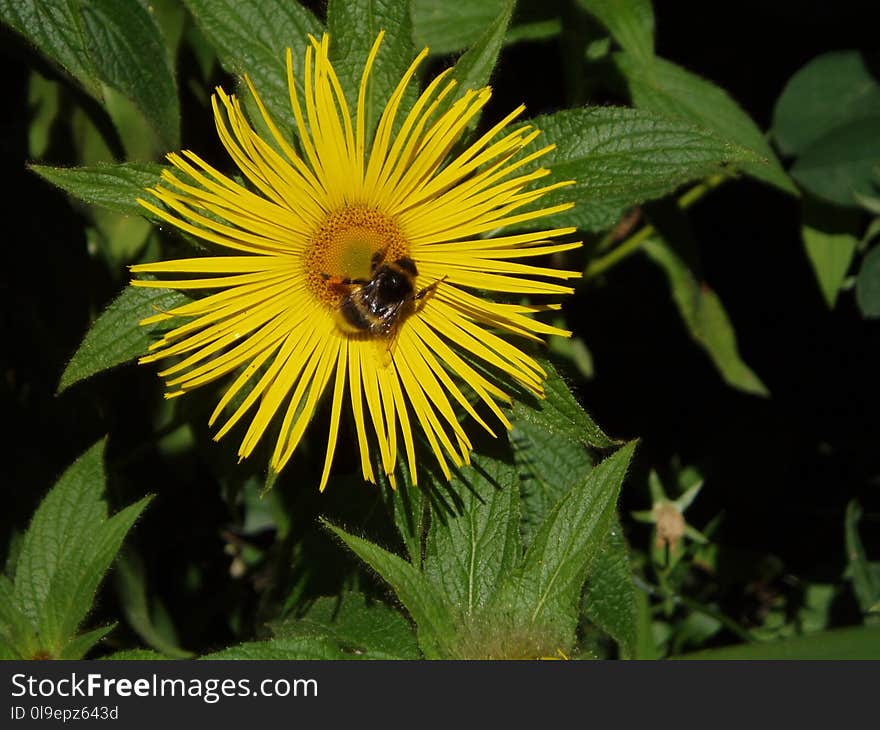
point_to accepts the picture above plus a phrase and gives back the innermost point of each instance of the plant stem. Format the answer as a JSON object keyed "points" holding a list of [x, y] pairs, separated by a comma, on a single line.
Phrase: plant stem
{"points": [[635, 241], [667, 593]]}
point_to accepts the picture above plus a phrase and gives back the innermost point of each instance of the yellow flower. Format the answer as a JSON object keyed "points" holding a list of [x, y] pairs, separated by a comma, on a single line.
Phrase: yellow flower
{"points": [[311, 233]]}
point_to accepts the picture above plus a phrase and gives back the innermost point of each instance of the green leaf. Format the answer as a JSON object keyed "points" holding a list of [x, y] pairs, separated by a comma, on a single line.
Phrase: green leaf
{"points": [[705, 318], [630, 22], [298, 648], [468, 553], [112, 42], [664, 88], [116, 337], [171, 19], [865, 578], [852, 643], [408, 509], [447, 27], [63, 522], [349, 49], [54, 27], [829, 92], [252, 38], [559, 413], [136, 655], [646, 644], [132, 591], [425, 605], [127, 47], [474, 68], [549, 465], [620, 158], [545, 590], [868, 284], [71, 595], [115, 187], [67, 550], [44, 105], [17, 631], [830, 239], [80, 645], [841, 164], [610, 596], [361, 629]]}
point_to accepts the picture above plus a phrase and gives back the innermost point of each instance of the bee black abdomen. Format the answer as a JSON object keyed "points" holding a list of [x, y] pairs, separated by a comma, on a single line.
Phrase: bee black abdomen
{"points": [[354, 316]]}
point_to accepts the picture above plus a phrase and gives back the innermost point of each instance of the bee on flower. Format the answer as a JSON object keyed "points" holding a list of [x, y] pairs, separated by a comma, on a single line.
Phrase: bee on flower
{"points": [[358, 267]]}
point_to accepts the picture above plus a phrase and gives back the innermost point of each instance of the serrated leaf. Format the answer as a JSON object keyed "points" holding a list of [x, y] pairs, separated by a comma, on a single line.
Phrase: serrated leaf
{"points": [[116, 337], [852, 643], [559, 413], [705, 318], [468, 553], [53, 27], [349, 49], [252, 38], [865, 580], [829, 92], [620, 158], [66, 552], [840, 164], [115, 187], [80, 645], [361, 629], [868, 284], [421, 600], [830, 239], [304, 647], [447, 27], [630, 22], [62, 523], [474, 68], [72, 593], [549, 466], [128, 49], [106, 42], [610, 596], [664, 88], [545, 591]]}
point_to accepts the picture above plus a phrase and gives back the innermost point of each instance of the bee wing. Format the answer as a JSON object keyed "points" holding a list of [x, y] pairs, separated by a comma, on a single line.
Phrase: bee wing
{"points": [[390, 345], [386, 345]]}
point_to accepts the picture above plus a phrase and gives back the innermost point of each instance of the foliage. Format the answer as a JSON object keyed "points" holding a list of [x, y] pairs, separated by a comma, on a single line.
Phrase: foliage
{"points": [[63, 557], [557, 540]]}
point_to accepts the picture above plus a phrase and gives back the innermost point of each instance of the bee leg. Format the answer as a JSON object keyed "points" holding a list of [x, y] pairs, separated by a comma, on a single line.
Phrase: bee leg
{"points": [[427, 291], [377, 258], [341, 282]]}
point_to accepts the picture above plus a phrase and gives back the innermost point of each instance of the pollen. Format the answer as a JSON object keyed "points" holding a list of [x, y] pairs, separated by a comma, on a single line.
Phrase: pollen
{"points": [[344, 245]]}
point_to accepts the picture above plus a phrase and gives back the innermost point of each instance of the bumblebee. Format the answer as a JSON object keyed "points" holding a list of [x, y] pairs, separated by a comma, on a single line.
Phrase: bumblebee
{"points": [[378, 305]]}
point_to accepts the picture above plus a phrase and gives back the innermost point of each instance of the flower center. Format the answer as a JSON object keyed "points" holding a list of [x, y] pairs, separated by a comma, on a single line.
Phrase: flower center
{"points": [[343, 248]]}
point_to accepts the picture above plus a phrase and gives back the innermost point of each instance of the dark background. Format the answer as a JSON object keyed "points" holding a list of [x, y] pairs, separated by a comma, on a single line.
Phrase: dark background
{"points": [[781, 470]]}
